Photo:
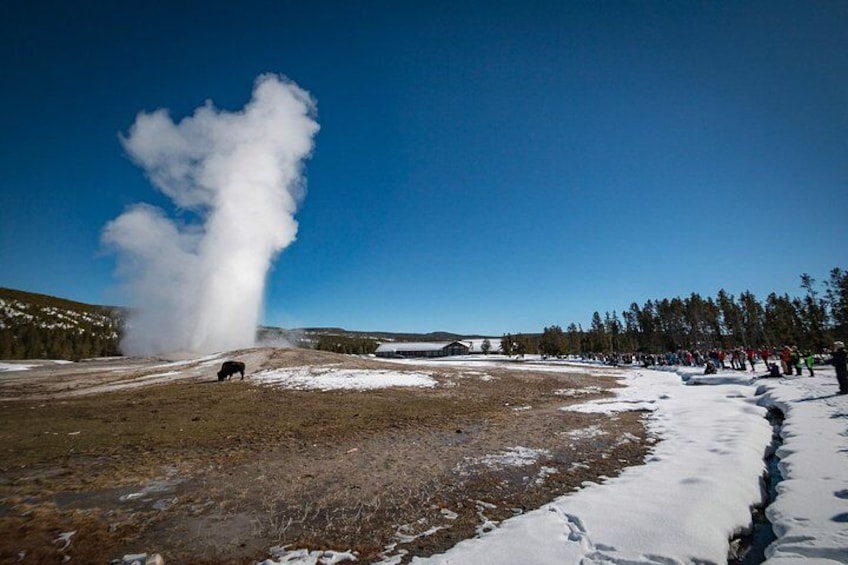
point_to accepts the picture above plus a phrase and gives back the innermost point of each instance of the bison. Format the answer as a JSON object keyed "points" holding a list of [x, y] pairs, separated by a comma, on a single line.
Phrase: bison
{"points": [[229, 368]]}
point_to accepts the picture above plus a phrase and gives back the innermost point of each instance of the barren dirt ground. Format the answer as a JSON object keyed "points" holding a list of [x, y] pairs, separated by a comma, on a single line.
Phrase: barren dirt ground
{"points": [[146, 455]]}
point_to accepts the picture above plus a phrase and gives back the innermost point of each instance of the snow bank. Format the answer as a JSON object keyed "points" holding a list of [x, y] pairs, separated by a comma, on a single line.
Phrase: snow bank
{"points": [[810, 514]]}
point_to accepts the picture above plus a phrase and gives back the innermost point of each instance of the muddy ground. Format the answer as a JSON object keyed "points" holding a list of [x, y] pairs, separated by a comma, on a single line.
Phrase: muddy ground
{"points": [[144, 455]]}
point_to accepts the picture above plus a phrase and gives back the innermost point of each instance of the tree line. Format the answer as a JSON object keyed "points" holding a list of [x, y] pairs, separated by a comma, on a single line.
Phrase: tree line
{"points": [[346, 344], [27, 341], [811, 321]]}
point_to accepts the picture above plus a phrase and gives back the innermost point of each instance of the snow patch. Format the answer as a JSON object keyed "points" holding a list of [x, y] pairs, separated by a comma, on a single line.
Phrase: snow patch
{"points": [[589, 432], [574, 392], [512, 457], [324, 379], [10, 367], [285, 556]]}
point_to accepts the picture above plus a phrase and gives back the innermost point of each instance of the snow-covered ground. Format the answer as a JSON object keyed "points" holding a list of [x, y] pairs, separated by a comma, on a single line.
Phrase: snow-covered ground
{"points": [[697, 487], [4, 367], [10, 366]]}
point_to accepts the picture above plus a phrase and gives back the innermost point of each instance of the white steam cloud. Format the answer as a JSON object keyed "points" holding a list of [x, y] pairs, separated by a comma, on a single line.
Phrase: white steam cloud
{"points": [[200, 286]]}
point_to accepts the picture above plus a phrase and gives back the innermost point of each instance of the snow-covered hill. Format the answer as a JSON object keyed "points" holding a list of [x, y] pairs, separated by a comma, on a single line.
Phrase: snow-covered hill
{"points": [[41, 326]]}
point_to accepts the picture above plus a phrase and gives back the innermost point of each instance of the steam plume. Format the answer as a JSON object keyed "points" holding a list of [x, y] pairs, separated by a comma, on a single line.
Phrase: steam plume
{"points": [[199, 286]]}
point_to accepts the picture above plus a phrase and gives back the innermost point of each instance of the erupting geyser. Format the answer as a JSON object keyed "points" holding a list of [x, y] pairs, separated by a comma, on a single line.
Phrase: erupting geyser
{"points": [[199, 285]]}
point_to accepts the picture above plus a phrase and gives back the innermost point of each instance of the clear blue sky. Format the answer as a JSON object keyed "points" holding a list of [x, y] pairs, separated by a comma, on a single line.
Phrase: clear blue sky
{"points": [[481, 167]]}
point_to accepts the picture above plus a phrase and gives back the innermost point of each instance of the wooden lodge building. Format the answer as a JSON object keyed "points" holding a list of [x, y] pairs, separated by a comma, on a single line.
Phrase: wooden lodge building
{"points": [[423, 349]]}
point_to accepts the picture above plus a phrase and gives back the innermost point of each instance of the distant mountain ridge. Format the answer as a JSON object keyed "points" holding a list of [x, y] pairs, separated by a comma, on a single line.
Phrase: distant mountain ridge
{"points": [[340, 340], [388, 336], [39, 326]]}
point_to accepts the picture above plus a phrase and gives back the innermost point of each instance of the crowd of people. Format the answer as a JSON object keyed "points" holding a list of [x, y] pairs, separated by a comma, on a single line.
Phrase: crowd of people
{"points": [[786, 361], [740, 358]]}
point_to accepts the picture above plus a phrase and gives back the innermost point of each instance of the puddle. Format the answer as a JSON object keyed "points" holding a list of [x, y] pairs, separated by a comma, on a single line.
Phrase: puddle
{"points": [[153, 493]]}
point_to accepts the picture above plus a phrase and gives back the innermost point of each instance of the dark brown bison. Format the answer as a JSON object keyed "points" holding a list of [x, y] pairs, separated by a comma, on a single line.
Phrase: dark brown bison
{"points": [[229, 368]]}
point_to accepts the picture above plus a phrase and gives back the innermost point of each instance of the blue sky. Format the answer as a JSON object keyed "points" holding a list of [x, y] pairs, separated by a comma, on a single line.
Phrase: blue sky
{"points": [[482, 167]]}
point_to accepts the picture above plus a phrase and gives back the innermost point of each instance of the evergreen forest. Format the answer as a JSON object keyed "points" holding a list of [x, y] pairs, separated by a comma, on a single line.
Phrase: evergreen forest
{"points": [[812, 321]]}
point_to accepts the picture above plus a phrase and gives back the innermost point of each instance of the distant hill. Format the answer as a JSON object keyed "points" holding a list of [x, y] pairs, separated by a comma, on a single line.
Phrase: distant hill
{"points": [[341, 340], [37, 326], [385, 336]]}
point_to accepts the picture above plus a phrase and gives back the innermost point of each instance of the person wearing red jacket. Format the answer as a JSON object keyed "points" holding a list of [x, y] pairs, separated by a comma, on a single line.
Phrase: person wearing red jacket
{"points": [[784, 360]]}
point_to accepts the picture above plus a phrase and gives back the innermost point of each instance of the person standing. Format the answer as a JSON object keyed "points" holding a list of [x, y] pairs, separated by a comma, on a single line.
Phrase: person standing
{"points": [[795, 361], [809, 359], [838, 360], [784, 360], [713, 355]]}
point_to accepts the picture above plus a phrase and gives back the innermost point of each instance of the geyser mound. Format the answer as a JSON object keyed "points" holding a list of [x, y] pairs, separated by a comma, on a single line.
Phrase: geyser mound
{"points": [[198, 285]]}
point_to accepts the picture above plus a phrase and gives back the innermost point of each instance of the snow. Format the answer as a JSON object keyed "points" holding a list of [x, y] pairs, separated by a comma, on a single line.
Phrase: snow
{"points": [[15, 367], [513, 457], [330, 378], [139, 382], [283, 555], [30, 364], [810, 514], [50, 317], [698, 484]]}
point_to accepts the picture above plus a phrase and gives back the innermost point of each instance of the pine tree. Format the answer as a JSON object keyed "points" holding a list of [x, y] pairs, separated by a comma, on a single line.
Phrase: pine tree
{"points": [[597, 334], [507, 345], [782, 321], [836, 296], [574, 337], [731, 316], [552, 341], [752, 320], [814, 315]]}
